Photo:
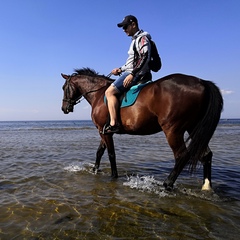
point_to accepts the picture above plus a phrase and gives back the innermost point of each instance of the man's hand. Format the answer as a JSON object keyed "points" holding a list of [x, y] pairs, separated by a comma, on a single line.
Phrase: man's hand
{"points": [[116, 71], [128, 80]]}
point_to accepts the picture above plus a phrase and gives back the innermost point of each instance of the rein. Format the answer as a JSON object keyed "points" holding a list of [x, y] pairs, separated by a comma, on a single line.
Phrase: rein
{"points": [[81, 98]]}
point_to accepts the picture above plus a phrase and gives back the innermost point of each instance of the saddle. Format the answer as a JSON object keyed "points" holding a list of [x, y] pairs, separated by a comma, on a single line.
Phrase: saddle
{"points": [[130, 97]]}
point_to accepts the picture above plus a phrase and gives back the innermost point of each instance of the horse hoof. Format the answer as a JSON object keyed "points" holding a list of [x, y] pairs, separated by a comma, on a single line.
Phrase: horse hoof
{"points": [[207, 185], [115, 176], [168, 187], [96, 170]]}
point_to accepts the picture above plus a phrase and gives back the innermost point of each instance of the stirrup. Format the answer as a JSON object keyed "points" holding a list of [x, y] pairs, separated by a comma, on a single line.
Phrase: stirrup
{"points": [[108, 129]]}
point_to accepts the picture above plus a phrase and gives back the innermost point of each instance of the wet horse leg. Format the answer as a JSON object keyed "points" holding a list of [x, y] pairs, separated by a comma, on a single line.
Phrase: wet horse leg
{"points": [[108, 139], [180, 163], [207, 165], [176, 142], [99, 154]]}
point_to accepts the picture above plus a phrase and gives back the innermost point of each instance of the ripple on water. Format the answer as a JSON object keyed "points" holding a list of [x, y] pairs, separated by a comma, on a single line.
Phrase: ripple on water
{"points": [[49, 191]]}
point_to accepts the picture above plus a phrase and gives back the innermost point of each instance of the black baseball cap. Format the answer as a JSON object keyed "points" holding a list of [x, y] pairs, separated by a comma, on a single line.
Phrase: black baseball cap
{"points": [[128, 20]]}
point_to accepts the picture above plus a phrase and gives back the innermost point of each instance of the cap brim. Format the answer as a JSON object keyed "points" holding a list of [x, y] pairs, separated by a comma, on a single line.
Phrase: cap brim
{"points": [[120, 24]]}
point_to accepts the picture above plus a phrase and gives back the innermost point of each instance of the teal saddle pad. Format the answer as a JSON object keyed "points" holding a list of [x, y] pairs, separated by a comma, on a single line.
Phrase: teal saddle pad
{"points": [[131, 95]]}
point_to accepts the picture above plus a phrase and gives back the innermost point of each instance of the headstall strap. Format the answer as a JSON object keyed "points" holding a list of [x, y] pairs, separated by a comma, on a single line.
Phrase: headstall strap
{"points": [[81, 98]]}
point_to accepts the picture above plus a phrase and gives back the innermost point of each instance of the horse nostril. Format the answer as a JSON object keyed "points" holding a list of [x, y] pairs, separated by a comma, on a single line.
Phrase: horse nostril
{"points": [[69, 108], [65, 110]]}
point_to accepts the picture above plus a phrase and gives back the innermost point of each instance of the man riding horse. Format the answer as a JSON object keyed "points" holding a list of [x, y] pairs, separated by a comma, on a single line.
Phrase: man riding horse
{"points": [[133, 71]]}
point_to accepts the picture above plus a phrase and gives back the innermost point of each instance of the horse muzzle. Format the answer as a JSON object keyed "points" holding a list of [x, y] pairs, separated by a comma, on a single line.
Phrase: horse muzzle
{"points": [[67, 107]]}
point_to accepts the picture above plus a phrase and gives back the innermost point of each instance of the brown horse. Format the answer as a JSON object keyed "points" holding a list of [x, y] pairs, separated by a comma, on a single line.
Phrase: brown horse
{"points": [[174, 104]]}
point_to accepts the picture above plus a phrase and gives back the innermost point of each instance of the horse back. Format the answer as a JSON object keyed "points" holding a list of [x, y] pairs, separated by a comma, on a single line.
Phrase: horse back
{"points": [[178, 93], [176, 96]]}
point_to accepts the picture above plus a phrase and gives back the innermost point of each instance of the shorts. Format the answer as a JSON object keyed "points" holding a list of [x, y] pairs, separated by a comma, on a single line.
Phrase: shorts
{"points": [[118, 83]]}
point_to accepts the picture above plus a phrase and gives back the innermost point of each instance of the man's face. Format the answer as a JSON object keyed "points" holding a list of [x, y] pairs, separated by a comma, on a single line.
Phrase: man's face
{"points": [[130, 29]]}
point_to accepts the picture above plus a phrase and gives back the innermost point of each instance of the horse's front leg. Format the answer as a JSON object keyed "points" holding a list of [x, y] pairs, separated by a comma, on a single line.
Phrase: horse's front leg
{"points": [[108, 139], [99, 154]]}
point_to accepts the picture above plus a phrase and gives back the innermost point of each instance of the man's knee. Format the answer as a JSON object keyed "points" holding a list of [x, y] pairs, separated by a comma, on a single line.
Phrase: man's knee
{"points": [[111, 91]]}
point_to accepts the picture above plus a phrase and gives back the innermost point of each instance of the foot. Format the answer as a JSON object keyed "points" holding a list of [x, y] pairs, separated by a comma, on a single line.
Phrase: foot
{"points": [[108, 129]]}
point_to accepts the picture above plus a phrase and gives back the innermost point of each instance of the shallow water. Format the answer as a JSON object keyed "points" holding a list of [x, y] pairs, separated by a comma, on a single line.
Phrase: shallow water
{"points": [[48, 190]]}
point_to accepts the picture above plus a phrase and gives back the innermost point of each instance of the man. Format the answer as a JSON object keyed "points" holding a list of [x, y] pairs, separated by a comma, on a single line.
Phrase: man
{"points": [[133, 71]]}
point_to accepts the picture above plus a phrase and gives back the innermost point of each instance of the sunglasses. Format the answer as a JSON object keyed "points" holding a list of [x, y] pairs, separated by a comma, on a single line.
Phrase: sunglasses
{"points": [[126, 26]]}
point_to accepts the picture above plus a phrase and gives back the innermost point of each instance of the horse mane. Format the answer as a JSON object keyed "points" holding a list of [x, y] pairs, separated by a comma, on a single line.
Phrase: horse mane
{"points": [[89, 72]]}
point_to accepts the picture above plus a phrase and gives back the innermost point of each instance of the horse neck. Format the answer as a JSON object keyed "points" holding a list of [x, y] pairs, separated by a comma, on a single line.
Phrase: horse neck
{"points": [[91, 87]]}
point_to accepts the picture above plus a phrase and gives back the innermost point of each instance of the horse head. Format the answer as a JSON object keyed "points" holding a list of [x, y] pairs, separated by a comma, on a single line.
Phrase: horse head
{"points": [[71, 94]]}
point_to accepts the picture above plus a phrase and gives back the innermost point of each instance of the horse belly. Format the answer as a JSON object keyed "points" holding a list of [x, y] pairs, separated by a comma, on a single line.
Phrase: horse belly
{"points": [[139, 120]]}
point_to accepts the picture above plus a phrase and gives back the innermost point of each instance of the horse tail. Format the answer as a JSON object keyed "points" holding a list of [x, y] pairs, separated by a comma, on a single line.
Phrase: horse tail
{"points": [[203, 131]]}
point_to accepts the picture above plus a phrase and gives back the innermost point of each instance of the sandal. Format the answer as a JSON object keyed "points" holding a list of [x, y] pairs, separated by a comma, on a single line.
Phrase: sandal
{"points": [[108, 129]]}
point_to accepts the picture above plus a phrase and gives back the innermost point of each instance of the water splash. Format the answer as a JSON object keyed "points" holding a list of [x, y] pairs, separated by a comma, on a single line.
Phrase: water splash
{"points": [[80, 167], [146, 184], [151, 185]]}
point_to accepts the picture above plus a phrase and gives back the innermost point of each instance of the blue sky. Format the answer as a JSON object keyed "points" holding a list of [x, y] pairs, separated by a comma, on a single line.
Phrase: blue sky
{"points": [[40, 39]]}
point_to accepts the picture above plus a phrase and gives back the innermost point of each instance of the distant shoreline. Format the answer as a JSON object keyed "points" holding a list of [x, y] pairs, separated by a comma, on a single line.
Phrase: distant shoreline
{"points": [[86, 120]]}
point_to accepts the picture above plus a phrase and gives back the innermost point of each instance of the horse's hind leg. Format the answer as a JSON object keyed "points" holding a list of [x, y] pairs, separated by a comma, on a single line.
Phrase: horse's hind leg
{"points": [[207, 165], [99, 154], [176, 142]]}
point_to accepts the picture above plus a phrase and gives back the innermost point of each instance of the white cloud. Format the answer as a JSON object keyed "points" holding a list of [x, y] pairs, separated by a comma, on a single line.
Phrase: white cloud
{"points": [[226, 92]]}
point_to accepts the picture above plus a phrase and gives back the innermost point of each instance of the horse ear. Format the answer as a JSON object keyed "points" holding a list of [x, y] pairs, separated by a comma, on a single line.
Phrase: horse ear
{"points": [[65, 76]]}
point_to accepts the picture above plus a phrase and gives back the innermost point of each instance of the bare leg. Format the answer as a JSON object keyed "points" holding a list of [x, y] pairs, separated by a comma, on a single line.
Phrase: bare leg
{"points": [[113, 104]]}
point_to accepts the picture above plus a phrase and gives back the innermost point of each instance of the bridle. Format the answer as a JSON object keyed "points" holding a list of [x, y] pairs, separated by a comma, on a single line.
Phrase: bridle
{"points": [[71, 102]]}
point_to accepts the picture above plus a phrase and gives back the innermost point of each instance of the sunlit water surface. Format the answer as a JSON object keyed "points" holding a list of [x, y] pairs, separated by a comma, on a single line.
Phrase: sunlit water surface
{"points": [[48, 189]]}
